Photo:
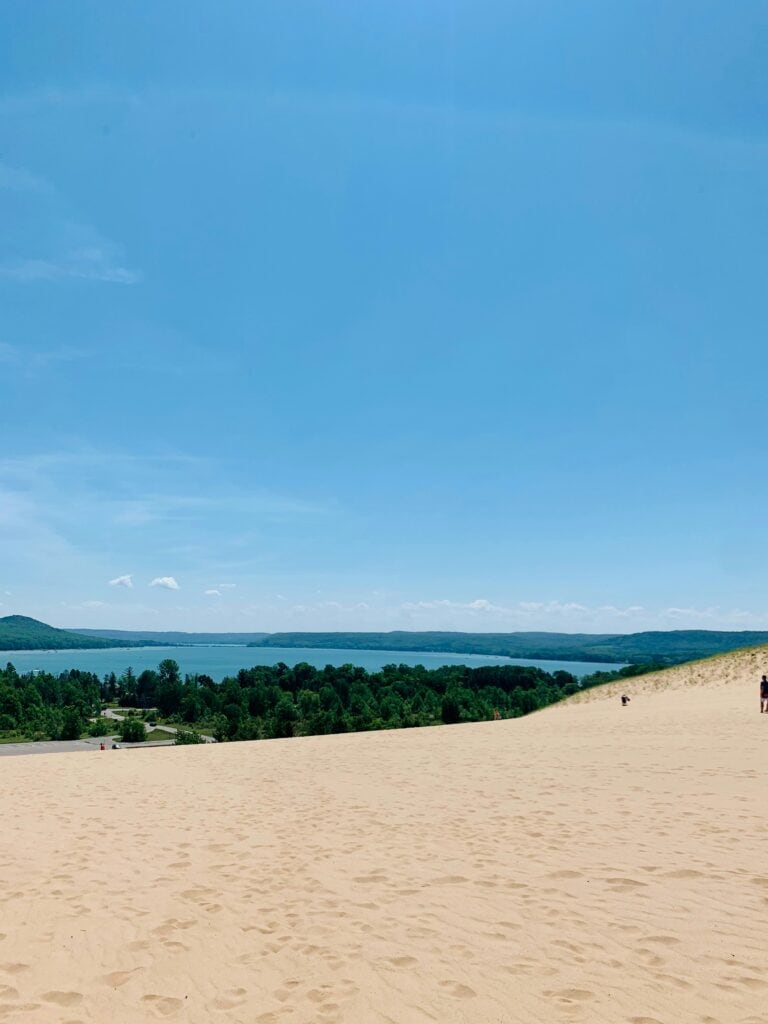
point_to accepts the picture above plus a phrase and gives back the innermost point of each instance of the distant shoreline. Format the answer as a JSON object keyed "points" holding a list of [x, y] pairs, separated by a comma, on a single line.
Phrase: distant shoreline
{"points": [[331, 650]]}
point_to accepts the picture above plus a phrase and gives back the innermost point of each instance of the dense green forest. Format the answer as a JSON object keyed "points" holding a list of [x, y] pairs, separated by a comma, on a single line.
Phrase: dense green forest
{"points": [[20, 633], [45, 706], [271, 701], [660, 647]]}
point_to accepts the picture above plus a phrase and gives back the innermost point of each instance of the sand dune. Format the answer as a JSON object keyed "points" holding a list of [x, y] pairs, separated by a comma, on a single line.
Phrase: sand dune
{"points": [[588, 863]]}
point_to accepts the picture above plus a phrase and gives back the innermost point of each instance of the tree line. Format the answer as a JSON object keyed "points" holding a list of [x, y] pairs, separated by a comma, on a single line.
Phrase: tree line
{"points": [[271, 701]]}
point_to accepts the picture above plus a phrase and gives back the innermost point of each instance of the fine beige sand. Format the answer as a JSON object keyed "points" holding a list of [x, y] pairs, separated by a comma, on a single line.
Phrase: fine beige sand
{"points": [[588, 863]]}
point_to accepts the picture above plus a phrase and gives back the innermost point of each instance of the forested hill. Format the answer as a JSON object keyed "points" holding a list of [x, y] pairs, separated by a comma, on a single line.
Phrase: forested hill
{"points": [[20, 633], [660, 647], [174, 638]]}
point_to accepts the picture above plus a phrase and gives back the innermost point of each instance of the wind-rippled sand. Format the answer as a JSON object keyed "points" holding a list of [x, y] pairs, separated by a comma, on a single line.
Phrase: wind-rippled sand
{"points": [[588, 863]]}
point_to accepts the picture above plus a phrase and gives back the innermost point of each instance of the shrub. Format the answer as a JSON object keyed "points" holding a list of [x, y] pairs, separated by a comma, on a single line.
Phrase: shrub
{"points": [[132, 730], [187, 736], [71, 724], [101, 727]]}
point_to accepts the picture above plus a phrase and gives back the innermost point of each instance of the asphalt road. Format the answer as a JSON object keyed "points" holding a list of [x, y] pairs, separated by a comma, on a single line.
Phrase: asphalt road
{"points": [[71, 746]]}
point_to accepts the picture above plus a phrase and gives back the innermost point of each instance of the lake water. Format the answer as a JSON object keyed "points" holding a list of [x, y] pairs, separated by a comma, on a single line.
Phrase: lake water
{"points": [[218, 661]]}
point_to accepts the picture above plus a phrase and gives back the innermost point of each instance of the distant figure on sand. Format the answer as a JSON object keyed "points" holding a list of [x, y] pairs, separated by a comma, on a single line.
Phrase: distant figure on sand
{"points": [[764, 694], [624, 700]]}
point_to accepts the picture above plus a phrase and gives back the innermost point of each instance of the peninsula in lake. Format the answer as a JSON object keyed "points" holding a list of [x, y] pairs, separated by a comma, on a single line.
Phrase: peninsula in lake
{"points": [[668, 647]]}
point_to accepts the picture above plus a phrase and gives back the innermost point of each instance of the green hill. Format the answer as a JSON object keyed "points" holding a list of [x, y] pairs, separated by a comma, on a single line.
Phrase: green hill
{"points": [[173, 638], [666, 647], [20, 633]]}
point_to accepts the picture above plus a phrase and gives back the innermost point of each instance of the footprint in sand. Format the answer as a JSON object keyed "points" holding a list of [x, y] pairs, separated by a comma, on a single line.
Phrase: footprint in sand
{"points": [[14, 968], [457, 990], [118, 978], [174, 947], [753, 983], [63, 998], [282, 994], [571, 995], [229, 999], [165, 1006], [403, 961], [315, 995]]}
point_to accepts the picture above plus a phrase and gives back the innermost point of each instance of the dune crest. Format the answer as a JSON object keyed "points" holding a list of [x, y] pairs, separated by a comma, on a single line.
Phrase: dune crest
{"points": [[735, 669]]}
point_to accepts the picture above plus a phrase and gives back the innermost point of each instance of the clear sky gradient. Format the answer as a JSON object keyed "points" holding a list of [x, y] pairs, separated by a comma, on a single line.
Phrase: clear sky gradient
{"points": [[342, 315]]}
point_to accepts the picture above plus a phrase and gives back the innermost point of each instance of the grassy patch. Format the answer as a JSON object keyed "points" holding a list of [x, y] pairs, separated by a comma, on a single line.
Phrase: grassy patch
{"points": [[158, 734]]}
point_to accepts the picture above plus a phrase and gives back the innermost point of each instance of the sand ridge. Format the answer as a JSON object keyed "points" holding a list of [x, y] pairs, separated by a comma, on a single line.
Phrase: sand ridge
{"points": [[588, 863], [739, 668]]}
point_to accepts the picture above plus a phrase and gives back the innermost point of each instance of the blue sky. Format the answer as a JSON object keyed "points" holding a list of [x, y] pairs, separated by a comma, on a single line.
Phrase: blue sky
{"points": [[386, 315]]}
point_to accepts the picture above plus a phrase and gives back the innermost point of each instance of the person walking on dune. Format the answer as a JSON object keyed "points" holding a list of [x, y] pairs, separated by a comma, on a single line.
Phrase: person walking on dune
{"points": [[764, 694]]}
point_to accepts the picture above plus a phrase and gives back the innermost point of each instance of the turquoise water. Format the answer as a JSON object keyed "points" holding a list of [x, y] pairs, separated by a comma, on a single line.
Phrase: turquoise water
{"points": [[218, 662]]}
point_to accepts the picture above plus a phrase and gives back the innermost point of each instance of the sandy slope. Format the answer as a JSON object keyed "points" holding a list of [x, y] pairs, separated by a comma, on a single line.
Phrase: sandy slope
{"points": [[589, 863]]}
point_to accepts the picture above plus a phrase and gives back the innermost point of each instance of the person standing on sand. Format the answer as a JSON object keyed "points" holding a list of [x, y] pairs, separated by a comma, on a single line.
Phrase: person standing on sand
{"points": [[624, 700], [764, 694]]}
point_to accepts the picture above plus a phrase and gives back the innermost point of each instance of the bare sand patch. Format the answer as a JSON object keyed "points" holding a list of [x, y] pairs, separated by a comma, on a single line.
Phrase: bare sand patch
{"points": [[590, 863]]}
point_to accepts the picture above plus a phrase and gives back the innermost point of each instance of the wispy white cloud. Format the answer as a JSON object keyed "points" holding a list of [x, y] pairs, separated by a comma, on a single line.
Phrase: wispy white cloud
{"points": [[30, 360], [485, 615], [166, 582], [25, 104], [569, 616], [67, 515], [51, 242], [95, 263], [122, 581], [16, 179], [213, 592]]}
